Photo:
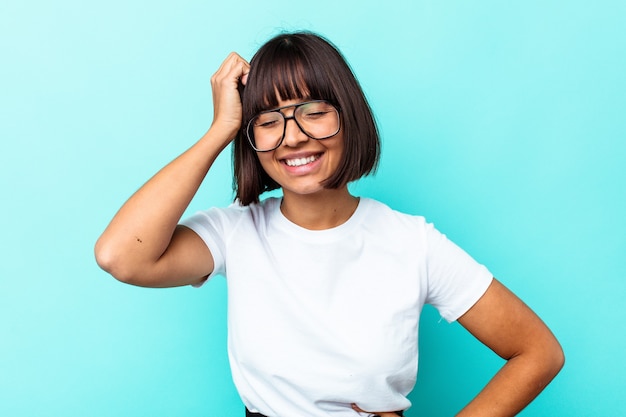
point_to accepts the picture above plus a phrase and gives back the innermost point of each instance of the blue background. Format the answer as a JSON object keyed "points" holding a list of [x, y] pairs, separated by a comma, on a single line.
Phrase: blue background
{"points": [[503, 123]]}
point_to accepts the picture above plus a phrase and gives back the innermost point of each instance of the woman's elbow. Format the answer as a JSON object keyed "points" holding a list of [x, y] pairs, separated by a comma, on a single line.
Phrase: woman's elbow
{"points": [[556, 357], [110, 261], [549, 359]]}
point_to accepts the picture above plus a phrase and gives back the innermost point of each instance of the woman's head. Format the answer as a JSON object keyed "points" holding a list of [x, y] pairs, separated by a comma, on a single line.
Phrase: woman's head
{"points": [[305, 66]]}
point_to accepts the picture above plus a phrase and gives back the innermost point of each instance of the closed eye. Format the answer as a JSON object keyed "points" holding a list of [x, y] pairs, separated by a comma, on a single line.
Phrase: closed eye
{"points": [[316, 115], [268, 124]]}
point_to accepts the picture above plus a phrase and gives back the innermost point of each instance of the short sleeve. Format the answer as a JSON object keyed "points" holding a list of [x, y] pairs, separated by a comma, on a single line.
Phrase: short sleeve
{"points": [[455, 280], [212, 226]]}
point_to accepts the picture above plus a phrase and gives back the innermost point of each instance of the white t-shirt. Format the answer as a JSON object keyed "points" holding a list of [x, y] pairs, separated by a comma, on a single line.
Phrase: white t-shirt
{"points": [[318, 320]]}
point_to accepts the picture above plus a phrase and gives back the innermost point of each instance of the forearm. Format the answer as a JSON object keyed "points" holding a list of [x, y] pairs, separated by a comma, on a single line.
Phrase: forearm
{"points": [[517, 383], [142, 229], [513, 331]]}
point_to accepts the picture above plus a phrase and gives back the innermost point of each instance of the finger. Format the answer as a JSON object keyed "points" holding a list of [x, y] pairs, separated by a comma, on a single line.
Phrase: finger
{"points": [[244, 77], [233, 67], [374, 413], [231, 60], [242, 71], [357, 409]]}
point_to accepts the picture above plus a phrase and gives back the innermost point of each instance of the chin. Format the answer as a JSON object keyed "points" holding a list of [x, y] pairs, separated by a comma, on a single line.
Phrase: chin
{"points": [[304, 190]]}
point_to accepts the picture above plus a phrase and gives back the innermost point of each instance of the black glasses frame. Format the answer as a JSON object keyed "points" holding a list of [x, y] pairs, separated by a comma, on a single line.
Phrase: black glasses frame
{"points": [[286, 119]]}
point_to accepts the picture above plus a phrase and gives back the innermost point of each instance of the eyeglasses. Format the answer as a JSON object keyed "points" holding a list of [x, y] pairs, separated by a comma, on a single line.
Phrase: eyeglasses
{"points": [[318, 119]]}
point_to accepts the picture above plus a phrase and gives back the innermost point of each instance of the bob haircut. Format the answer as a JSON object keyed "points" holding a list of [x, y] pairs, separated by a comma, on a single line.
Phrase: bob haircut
{"points": [[304, 66]]}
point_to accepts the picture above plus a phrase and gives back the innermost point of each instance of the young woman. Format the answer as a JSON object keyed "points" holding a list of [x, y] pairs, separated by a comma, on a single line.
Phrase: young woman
{"points": [[325, 289]]}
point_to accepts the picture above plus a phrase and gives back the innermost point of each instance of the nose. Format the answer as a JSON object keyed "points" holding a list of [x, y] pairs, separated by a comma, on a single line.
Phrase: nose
{"points": [[293, 134]]}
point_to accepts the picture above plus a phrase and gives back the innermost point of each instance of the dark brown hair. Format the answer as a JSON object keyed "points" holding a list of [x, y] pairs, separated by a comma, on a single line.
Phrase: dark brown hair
{"points": [[304, 65]]}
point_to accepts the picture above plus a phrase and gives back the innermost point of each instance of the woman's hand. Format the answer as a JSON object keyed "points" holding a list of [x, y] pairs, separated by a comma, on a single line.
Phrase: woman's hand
{"points": [[225, 83], [374, 413]]}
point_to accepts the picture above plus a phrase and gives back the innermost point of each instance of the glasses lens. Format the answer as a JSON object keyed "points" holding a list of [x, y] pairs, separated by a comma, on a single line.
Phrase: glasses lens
{"points": [[319, 119], [266, 130]]}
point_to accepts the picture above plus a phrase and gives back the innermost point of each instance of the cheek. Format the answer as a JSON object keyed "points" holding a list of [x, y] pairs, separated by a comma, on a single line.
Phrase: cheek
{"points": [[338, 149], [268, 162]]}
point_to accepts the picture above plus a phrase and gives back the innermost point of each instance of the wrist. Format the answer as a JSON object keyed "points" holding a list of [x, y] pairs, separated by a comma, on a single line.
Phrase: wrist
{"points": [[220, 135]]}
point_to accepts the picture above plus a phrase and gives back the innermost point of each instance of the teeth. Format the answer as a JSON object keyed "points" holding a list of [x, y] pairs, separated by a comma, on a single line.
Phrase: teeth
{"points": [[300, 161]]}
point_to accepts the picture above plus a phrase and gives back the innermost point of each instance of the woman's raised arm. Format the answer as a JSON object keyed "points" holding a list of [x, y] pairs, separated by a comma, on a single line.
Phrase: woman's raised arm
{"points": [[143, 244]]}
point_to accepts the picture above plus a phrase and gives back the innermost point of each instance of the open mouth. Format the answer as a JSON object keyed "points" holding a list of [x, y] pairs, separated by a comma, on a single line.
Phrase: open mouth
{"points": [[296, 162]]}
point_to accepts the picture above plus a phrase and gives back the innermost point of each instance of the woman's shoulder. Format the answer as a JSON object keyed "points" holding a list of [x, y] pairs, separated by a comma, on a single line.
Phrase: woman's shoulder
{"points": [[383, 219], [259, 213], [379, 209], [267, 205], [236, 213]]}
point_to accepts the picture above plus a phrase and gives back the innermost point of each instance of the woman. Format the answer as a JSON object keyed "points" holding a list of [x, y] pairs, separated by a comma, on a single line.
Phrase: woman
{"points": [[325, 289]]}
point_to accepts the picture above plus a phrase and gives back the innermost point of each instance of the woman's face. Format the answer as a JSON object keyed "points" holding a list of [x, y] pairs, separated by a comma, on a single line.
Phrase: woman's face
{"points": [[300, 164]]}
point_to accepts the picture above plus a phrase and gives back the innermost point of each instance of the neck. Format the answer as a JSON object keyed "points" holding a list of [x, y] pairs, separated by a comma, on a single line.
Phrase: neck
{"points": [[319, 211]]}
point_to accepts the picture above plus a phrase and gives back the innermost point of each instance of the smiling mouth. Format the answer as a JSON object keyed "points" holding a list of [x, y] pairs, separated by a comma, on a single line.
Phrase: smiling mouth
{"points": [[301, 161]]}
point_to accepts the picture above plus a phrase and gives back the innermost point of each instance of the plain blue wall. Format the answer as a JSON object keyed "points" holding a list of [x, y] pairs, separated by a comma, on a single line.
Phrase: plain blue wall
{"points": [[503, 123]]}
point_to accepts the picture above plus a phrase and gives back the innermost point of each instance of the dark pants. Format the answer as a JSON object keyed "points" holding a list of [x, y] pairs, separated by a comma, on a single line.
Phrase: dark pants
{"points": [[251, 414]]}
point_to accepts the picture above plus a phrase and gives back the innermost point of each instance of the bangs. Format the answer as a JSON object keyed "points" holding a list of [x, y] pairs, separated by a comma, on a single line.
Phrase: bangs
{"points": [[285, 72]]}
